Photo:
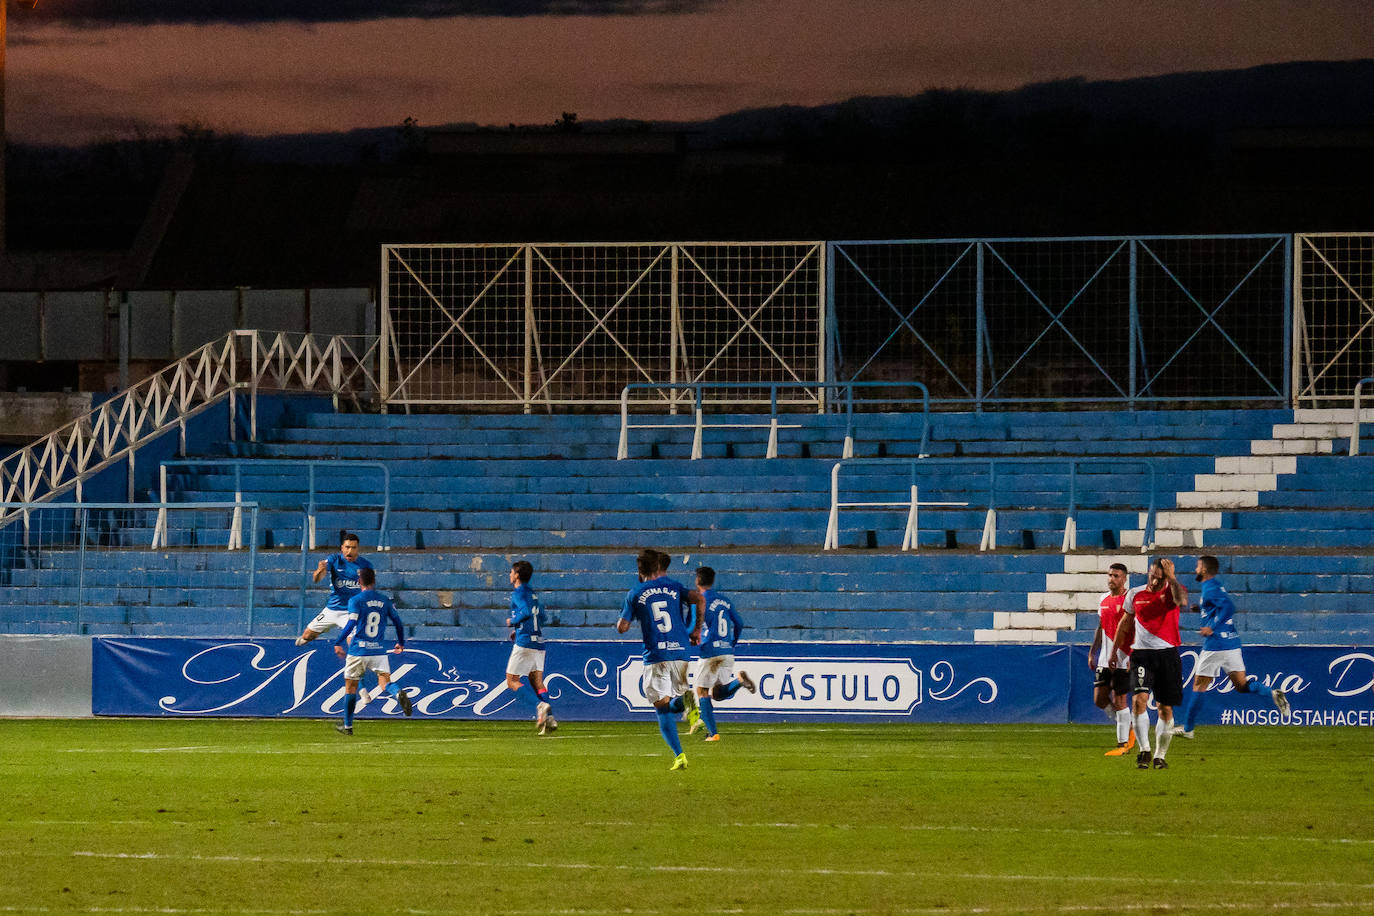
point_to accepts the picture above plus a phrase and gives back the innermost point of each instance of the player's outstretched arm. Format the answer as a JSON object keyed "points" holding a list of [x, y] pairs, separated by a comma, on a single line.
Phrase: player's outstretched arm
{"points": [[320, 570]]}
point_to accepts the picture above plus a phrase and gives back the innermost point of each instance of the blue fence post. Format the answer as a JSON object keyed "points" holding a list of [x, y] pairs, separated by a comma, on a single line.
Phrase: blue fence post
{"points": [[981, 339], [832, 325], [300, 611], [1134, 330], [1288, 390], [252, 564], [80, 566]]}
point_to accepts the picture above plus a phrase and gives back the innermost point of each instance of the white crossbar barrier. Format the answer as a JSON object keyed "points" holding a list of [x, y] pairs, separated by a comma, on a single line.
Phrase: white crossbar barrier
{"points": [[912, 507]]}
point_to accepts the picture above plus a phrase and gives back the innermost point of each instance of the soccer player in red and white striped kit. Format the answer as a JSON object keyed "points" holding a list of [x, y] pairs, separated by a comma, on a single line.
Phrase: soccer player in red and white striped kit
{"points": [[1152, 626]]}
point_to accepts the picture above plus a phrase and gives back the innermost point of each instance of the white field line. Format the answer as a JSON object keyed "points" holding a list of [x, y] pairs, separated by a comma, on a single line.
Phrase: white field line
{"points": [[1214, 906], [706, 869], [785, 825]]}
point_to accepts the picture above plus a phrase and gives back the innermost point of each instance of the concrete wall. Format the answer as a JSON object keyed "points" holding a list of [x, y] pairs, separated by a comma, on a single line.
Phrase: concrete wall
{"points": [[46, 676]]}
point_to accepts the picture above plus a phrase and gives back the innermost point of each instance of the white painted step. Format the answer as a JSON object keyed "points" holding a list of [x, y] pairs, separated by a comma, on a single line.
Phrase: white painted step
{"points": [[1098, 562], [1034, 620], [1002, 636], [1334, 414], [1219, 499], [1290, 447], [1249, 464], [1095, 581], [1182, 518], [1062, 602], [1310, 430], [1165, 537], [1222, 482]]}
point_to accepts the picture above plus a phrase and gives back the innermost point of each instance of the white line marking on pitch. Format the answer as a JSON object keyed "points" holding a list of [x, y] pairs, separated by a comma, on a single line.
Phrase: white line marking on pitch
{"points": [[692, 869]]}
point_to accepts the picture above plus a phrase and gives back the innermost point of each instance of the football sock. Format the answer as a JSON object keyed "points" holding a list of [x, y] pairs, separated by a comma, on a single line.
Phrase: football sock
{"points": [[677, 705], [1164, 733], [731, 689], [1142, 731], [350, 704], [1123, 725], [667, 724], [708, 714], [544, 698], [1257, 689], [525, 694], [1195, 703], [393, 689]]}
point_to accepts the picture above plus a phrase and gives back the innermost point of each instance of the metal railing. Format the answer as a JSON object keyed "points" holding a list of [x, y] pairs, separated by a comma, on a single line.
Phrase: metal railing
{"points": [[1355, 416], [311, 507], [95, 530], [698, 423], [989, 536], [241, 362]]}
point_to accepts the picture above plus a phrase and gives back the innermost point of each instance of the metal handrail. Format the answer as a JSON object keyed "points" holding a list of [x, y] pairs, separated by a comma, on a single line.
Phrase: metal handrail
{"points": [[989, 539], [83, 510], [698, 421], [64, 459], [308, 529], [1355, 417]]}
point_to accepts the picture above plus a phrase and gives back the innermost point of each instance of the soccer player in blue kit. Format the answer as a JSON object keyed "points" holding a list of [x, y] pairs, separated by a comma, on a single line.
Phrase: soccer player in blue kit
{"points": [[1220, 649], [715, 678], [343, 569], [656, 603], [528, 619], [368, 612]]}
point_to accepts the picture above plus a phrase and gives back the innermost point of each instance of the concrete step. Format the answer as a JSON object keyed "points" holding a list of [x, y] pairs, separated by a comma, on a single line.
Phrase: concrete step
{"points": [[1249, 464], [1065, 602], [1310, 430], [1098, 562], [1291, 447], [1333, 414], [1183, 518], [1219, 499], [1223, 482], [1166, 537], [1016, 636]]}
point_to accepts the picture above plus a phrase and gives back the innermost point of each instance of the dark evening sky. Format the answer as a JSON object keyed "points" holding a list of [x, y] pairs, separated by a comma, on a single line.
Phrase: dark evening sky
{"points": [[81, 70]]}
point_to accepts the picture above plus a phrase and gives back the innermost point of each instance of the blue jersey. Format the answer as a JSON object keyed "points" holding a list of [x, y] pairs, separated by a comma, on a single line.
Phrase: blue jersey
{"points": [[528, 617], [343, 580], [368, 613], [1218, 612], [722, 627], [657, 605]]}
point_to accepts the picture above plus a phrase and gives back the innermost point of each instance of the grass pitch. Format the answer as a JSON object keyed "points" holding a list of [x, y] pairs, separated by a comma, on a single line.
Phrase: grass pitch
{"points": [[286, 816]]}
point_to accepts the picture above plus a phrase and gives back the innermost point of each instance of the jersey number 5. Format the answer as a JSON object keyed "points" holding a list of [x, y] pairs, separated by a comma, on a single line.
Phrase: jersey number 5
{"points": [[662, 620]]}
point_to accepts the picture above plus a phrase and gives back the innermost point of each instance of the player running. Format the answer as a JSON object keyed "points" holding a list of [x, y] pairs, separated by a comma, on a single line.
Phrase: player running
{"points": [[715, 678], [528, 619], [343, 569], [1151, 626], [1220, 649], [656, 603], [1112, 683], [368, 612]]}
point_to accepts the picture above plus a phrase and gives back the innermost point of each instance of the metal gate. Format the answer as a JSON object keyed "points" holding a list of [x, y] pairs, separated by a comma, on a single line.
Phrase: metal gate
{"points": [[1333, 323]]}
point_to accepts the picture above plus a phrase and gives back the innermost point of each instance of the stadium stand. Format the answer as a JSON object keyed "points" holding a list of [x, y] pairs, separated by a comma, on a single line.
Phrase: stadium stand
{"points": [[1290, 514]]}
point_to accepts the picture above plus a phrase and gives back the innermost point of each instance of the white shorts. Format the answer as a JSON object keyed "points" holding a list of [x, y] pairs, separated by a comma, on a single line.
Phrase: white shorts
{"points": [[355, 666], [664, 680], [523, 660], [1211, 662], [715, 670], [328, 619]]}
